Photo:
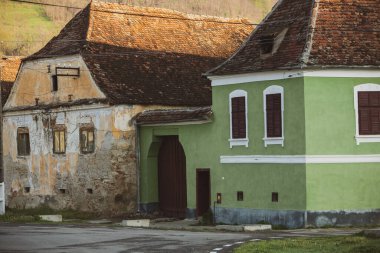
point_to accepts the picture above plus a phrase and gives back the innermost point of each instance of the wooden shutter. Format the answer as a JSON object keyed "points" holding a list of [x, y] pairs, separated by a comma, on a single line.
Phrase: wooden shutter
{"points": [[274, 115], [239, 130], [369, 113], [23, 144]]}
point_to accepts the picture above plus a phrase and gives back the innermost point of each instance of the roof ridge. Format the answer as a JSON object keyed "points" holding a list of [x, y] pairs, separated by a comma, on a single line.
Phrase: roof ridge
{"points": [[89, 23], [72, 27], [161, 12], [304, 59]]}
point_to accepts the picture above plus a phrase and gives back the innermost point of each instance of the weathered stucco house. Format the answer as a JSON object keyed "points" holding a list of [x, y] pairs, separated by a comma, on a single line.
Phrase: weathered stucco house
{"points": [[9, 66], [69, 141], [295, 134]]}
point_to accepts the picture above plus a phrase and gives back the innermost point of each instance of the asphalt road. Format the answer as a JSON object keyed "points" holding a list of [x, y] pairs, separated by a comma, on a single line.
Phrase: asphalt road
{"points": [[83, 239]]}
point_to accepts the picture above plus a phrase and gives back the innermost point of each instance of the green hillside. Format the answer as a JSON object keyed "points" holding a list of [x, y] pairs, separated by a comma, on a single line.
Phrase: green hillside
{"points": [[21, 26], [25, 28]]}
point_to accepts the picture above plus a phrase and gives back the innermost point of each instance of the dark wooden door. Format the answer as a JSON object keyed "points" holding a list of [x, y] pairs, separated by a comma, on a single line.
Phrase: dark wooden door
{"points": [[172, 178], [203, 191]]}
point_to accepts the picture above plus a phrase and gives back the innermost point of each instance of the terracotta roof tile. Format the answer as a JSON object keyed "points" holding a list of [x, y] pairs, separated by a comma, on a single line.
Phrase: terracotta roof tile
{"points": [[141, 55], [346, 33], [9, 69], [332, 33], [10, 66], [174, 116]]}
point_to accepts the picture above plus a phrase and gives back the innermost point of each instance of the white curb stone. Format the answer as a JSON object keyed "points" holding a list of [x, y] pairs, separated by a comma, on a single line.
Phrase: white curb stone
{"points": [[52, 218], [136, 223], [251, 228]]}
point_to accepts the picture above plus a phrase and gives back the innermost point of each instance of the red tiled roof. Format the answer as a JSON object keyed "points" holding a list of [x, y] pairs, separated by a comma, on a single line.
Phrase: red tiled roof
{"points": [[9, 68], [325, 33], [174, 116], [140, 55]]}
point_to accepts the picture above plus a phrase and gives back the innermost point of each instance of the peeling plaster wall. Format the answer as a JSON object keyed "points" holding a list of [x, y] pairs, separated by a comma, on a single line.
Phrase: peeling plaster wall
{"points": [[35, 81], [110, 171]]}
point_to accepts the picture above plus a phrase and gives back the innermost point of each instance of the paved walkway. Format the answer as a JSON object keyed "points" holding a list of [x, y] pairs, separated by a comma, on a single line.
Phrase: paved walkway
{"points": [[104, 238]]}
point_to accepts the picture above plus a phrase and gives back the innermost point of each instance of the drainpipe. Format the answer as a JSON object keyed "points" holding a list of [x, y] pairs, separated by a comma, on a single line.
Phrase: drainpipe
{"points": [[137, 146]]}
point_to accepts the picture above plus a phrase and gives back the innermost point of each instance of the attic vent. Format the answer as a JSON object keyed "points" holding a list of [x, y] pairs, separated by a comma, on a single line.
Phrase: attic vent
{"points": [[270, 43], [266, 44], [54, 80]]}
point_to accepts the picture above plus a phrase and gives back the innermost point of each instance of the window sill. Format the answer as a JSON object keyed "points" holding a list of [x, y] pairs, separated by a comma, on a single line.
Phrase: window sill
{"points": [[367, 138], [273, 141], [239, 142], [86, 153]]}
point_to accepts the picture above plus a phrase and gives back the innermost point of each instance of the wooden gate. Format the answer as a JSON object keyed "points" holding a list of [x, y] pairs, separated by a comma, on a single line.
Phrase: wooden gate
{"points": [[172, 178]]}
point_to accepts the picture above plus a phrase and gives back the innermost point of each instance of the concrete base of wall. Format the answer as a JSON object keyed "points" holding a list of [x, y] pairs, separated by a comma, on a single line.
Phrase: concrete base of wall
{"points": [[296, 219], [343, 218], [191, 213], [149, 207], [287, 218]]}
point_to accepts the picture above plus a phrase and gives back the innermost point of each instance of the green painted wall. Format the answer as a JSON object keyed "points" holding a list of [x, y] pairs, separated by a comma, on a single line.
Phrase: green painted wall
{"points": [[343, 186], [288, 180], [319, 119], [330, 117], [195, 140], [294, 118], [330, 130], [204, 144]]}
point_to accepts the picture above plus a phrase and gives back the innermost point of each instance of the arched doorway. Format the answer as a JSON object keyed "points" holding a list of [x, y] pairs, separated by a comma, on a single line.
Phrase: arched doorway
{"points": [[172, 178]]}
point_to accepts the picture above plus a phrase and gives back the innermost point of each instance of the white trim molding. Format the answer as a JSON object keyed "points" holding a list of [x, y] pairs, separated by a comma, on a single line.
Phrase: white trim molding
{"points": [[280, 75], [358, 88], [243, 141], [299, 159], [274, 89]]}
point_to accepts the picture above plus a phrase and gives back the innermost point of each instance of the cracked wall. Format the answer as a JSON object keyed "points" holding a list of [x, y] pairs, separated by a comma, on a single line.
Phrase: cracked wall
{"points": [[101, 181]]}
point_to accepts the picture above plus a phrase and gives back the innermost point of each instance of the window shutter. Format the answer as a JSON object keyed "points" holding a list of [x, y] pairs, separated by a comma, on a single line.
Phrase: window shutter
{"points": [[369, 112], [238, 118], [364, 121], [375, 120], [363, 99], [274, 115]]}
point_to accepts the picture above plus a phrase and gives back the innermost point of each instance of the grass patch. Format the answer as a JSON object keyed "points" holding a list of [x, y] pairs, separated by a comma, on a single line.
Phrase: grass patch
{"points": [[341, 244], [21, 26]]}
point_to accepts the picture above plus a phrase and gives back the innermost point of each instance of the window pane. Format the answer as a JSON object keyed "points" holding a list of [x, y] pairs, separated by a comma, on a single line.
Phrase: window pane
{"points": [[87, 140], [91, 136], [56, 141], [27, 144], [59, 141], [23, 146], [62, 142], [84, 140]]}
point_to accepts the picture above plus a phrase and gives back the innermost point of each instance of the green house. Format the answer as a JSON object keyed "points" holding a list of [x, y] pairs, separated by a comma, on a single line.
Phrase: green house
{"points": [[293, 134]]}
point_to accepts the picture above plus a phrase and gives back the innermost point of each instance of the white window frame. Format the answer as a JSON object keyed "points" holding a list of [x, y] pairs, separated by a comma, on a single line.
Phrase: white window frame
{"points": [[358, 88], [274, 89], [241, 141]]}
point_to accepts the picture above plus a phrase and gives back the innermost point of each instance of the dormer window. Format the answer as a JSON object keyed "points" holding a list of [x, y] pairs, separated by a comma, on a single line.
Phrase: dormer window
{"points": [[270, 43], [266, 44]]}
